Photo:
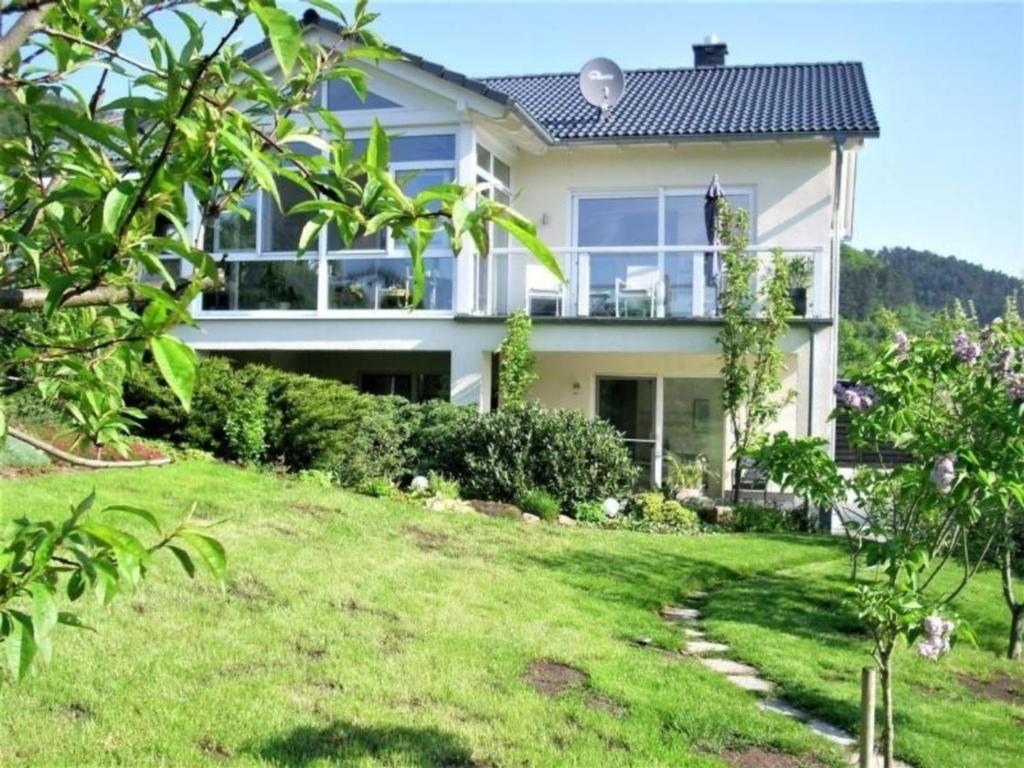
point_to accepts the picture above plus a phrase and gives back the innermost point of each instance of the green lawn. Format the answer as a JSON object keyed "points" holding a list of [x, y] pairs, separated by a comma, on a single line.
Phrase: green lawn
{"points": [[364, 632]]}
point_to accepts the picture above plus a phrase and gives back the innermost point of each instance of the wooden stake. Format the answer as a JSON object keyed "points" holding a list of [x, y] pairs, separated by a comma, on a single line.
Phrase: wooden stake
{"points": [[867, 718]]}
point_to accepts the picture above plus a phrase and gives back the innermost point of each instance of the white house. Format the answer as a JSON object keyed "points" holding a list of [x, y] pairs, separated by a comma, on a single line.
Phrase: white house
{"points": [[619, 196]]}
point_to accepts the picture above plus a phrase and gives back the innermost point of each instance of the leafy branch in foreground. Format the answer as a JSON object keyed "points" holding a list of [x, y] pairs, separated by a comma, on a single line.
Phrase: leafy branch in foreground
{"points": [[43, 562]]}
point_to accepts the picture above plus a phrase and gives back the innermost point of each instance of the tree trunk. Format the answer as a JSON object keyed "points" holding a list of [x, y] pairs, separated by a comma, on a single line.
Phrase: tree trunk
{"points": [[888, 729], [736, 475], [1015, 648]]}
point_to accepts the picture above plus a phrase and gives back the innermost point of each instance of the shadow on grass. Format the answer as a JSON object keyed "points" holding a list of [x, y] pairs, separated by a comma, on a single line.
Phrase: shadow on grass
{"points": [[343, 743]]}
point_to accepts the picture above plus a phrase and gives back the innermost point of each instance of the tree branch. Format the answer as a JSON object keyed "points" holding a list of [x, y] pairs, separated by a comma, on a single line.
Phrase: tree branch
{"points": [[32, 299], [26, 24], [71, 458]]}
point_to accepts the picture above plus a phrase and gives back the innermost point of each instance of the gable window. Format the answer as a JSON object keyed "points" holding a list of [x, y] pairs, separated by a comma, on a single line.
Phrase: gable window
{"points": [[341, 97], [626, 275]]}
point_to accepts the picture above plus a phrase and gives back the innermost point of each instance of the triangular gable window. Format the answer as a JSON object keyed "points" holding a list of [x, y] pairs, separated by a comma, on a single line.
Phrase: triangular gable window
{"points": [[342, 98]]}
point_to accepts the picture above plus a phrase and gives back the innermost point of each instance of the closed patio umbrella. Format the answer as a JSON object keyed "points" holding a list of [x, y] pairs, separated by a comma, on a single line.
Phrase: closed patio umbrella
{"points": [[712, 261]]}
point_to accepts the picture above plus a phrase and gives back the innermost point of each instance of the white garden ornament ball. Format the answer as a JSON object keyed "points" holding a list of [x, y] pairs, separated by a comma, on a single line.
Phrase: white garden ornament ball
{"points": [[419, 484], [610, 507]]}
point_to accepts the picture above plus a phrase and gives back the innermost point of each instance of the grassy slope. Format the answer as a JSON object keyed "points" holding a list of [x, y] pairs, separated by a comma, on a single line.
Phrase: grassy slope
{"points": [[365, 632]]}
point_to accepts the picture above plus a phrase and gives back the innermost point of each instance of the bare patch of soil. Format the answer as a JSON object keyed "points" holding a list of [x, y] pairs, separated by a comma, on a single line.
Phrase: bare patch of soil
{"points": [[215, 749], [496, 509], [310, 651], [759, 757], [251, 591], [552, 678], [428, 541], [316, 511], [1000, 688], [607, 704], [329, 686], [351, 606], [77, 711]]}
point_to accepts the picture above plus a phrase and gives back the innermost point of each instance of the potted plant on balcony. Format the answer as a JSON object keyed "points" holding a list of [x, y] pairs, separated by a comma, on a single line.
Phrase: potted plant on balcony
{"points": [[799, 283]]}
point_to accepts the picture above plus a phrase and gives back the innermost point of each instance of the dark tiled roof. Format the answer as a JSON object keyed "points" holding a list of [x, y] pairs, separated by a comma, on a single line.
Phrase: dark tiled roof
{"points": [[761, 100], [782, 99]]}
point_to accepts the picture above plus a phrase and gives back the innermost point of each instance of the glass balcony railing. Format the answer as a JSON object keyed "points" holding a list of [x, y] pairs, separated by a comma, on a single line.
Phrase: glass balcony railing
{"points": [[642, 282]]}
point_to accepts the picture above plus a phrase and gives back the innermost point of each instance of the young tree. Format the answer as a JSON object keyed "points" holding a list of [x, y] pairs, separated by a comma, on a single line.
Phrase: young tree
{"points": [[516, 373], [953, 403], [97, 191], [754, 321]]}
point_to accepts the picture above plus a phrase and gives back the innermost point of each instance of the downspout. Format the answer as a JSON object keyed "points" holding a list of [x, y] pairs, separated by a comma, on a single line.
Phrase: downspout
{"points": [[837, 194]]}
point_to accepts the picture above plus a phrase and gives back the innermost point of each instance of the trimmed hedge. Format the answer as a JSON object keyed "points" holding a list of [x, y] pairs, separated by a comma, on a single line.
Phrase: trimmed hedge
{"points": [[253, 413]]}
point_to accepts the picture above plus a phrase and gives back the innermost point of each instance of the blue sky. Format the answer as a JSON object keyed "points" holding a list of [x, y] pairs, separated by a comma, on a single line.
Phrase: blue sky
{"points": [[947, 80]]}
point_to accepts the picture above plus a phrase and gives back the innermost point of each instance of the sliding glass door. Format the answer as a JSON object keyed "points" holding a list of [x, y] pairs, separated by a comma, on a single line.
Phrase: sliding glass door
{"points": [[630, 404]]}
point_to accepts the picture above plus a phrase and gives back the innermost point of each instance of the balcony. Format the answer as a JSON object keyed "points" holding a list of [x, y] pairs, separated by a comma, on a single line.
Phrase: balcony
{"points": [[648, 282]]}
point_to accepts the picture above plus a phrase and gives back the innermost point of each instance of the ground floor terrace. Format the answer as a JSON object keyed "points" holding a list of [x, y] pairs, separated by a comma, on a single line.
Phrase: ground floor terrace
{"points": [[659, 383]]}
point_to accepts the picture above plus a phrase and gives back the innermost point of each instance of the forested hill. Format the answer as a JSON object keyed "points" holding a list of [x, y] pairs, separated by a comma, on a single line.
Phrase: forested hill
{"points": [[914, 285], [895, 278]]}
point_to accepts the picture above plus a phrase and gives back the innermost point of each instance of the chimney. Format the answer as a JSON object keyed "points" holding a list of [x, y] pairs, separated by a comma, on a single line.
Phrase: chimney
{"points": [[710, 53]]}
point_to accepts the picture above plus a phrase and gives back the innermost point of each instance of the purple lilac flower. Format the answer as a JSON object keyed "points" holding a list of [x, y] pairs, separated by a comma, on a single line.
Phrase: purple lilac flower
{"points": [[936, 637], [902, 344], [856, 398], [1015, 386], [966, 351], [944, 472]]}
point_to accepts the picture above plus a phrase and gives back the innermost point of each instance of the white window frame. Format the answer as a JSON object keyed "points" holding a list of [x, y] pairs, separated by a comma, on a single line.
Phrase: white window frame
{"points": [[581, 301], [488, 263], [322, 256]]}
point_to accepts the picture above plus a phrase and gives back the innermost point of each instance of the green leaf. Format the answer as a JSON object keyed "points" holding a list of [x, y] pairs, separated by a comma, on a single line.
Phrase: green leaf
{"points": [[143, 514], [523, 231], [19, 645], [377, 148], [71, 620], [283, 32], [44, 610], [114, 205], [210, 551], [177, 363], [185, 559]]}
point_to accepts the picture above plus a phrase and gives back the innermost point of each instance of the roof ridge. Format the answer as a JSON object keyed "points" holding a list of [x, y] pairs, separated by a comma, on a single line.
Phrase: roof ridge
{"points": [[723, 68]]}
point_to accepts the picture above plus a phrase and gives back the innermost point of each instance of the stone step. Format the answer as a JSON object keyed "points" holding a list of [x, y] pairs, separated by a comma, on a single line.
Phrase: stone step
{"points": [[728, 667], [675, 613], [833, 733], [704, 646], [695, 634], [780, 707], [697, 594], [751, 683]]}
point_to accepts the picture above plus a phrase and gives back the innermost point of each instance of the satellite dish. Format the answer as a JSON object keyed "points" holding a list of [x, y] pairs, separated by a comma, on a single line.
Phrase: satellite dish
{"points": [[602, 83]]}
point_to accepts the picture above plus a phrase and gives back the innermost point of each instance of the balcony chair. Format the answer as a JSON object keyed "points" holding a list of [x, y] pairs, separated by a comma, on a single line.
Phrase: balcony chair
{"points": [[545, 289], [641, 282]]}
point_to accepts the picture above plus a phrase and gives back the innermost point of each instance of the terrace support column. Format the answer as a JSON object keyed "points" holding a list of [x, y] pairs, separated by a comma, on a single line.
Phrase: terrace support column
{"points": [[471, 377]]}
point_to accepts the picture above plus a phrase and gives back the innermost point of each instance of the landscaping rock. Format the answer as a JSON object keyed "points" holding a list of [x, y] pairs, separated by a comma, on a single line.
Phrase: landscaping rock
{"points": [[529, 519], [566, 521], [779, 707], [496, 509], [718, 514], [697, 594], [695, 634], [751, 683], [698, 503], [728, 667]]}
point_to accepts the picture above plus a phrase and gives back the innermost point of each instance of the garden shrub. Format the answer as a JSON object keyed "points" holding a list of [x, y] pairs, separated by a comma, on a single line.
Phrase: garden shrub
{"points": [[540, 503], [381, 487], [439, 433], [648, 506], [245, 427], [759, 518], [441, 486], [562, 452], [589, 512], [379, 445]]}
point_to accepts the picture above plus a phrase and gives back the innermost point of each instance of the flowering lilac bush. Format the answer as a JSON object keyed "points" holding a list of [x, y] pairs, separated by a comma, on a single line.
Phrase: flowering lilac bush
{"points": [[953, 404]]}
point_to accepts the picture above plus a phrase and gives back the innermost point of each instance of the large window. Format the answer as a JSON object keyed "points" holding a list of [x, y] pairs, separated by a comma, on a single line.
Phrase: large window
{"points": [[625, 275], [370, 271], [491, 272]]}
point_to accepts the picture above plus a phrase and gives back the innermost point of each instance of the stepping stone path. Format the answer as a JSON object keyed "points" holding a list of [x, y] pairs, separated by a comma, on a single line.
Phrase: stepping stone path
{"points": [[748, 678]]}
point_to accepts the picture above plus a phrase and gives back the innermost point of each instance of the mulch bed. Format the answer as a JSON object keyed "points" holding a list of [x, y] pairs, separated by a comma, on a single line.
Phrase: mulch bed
{"points": [[759, 757], [1000, 688]]}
